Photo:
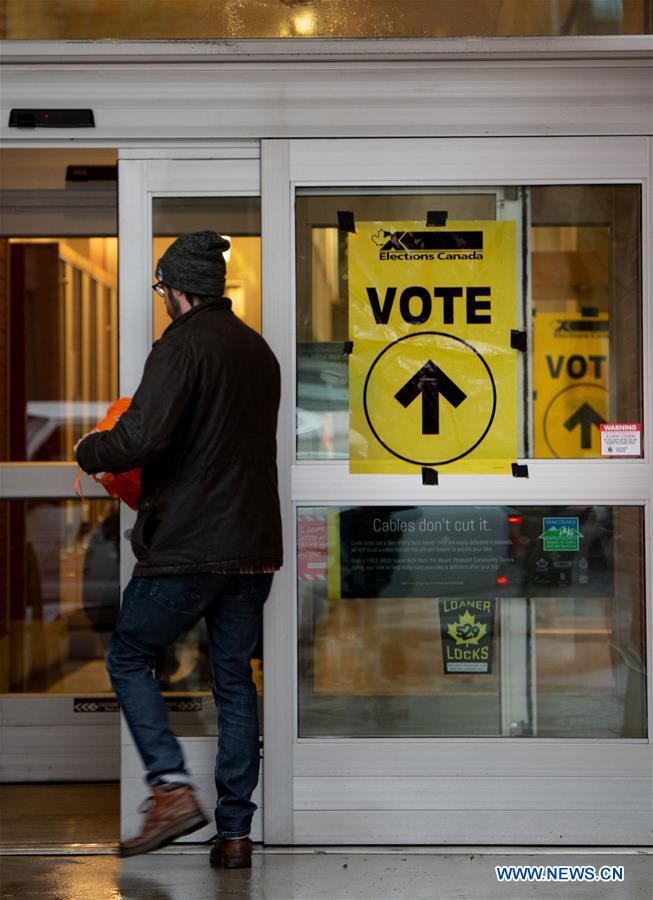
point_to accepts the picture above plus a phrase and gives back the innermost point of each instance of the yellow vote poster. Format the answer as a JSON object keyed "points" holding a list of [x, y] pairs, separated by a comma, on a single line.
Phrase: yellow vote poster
{"points": [[432, 375], [570, 380]]}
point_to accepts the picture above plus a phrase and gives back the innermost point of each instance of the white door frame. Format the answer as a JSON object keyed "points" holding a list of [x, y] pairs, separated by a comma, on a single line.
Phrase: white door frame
{"points": [[291, 765], [224, 170], [328, 791]]}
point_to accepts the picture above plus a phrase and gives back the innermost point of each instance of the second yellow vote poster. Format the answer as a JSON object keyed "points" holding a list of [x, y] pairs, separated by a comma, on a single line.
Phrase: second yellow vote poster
{"points": [[432, 374], [571, 383]]}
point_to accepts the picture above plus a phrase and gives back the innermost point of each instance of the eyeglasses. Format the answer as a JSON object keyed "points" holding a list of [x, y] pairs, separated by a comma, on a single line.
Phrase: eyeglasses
{"points": [[160, 288]]}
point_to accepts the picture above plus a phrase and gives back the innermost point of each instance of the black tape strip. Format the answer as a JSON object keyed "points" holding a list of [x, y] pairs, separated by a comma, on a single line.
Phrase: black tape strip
{"points": [[519, 471], [348, 347], [346, 221], [436, 218], [519, 340], [429, 476], [573, 326], [590, 312]]}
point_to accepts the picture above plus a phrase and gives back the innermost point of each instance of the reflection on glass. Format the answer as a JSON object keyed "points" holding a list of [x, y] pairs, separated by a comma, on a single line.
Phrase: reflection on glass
{"points": [[61, 314], [60, 594], [586, 294], [581, 291], [471, 621], [59, 602], [238, 219]]}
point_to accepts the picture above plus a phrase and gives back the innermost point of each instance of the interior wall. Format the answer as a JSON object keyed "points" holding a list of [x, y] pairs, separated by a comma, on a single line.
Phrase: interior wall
{"points": [[45, 169], [243, 285]]}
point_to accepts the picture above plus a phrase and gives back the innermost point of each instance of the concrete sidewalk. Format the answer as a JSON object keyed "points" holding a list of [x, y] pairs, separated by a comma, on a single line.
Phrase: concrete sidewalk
{"points": [[317, 874]]}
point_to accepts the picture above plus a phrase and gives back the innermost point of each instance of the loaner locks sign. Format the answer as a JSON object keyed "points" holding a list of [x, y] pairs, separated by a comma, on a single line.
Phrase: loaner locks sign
{"points": [[432, 373], [467, 629]]}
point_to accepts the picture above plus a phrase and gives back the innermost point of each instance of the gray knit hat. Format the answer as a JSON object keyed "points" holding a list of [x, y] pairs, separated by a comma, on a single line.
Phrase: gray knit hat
{"points": [[194, 263]]}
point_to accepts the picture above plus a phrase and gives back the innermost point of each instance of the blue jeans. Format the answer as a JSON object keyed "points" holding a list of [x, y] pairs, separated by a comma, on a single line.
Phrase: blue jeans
{"points": [[154, 613]]}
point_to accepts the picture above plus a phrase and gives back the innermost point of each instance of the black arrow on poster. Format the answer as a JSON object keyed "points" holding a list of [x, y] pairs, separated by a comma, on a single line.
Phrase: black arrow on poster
{"points": [[585, 416], [431, 382]]}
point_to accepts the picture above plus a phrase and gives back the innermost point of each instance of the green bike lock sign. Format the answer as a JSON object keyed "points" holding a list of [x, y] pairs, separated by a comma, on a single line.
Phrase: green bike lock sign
{"points": [[467, 630]]}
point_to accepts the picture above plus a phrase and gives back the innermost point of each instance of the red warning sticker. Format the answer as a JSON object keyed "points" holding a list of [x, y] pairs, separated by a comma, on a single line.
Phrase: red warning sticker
{"points": [[621, 439]]}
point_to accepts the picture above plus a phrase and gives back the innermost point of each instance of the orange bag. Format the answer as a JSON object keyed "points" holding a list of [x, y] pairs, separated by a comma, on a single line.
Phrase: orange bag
{"points": [[127, 485]]}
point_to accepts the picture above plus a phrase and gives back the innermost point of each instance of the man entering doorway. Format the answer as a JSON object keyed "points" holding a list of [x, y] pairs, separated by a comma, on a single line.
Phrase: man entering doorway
{"points": [[207, 538]]}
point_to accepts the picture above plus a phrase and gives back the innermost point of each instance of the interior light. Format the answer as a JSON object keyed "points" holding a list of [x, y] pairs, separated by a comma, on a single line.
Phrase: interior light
{"points": [[304, 23], [502, 579], [514, 520]]}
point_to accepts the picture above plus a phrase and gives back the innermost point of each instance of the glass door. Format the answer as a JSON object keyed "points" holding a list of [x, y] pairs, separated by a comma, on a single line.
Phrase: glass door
{"points": [[162, 198], [468, 660], [59, 579]]}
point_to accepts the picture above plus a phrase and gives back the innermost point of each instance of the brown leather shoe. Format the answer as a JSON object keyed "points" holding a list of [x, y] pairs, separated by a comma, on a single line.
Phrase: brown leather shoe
{"points": [[232, 853], [172, 811]]}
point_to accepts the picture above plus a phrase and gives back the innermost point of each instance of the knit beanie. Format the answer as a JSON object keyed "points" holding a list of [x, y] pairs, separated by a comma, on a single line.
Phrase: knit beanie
{"points": [[195, 264]]}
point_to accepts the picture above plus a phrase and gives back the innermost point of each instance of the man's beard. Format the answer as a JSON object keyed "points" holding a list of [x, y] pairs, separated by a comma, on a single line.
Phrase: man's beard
{"points": [[173, 307]]}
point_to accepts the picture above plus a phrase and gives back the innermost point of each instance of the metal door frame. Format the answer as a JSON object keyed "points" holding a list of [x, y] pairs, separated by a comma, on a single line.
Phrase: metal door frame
{"points": [[296, 767], [227, 169], [285, 164]]}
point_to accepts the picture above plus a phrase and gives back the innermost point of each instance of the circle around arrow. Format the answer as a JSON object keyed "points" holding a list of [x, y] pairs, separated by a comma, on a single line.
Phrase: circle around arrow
{"points": [[438, 462], [557, 396]]}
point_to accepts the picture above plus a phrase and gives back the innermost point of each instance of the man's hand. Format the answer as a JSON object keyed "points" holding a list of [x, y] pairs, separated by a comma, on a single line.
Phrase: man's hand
{"points": [[93, 431]]}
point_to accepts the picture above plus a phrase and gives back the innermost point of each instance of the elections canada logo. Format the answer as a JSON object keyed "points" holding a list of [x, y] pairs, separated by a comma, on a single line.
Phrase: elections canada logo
{"points": [[583, 328], [428, 245]]}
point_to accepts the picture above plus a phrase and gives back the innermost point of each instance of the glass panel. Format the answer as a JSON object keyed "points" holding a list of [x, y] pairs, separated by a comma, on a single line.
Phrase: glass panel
{"points": [[580, 290], [60, 594], [471, 621], [238, 219], [58, 300], [322, 300], [586, 299], [73, 19], [185, 672]]}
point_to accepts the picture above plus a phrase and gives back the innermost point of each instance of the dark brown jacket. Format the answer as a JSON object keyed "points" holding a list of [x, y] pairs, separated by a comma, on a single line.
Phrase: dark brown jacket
{"points": [[202, 425]]}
